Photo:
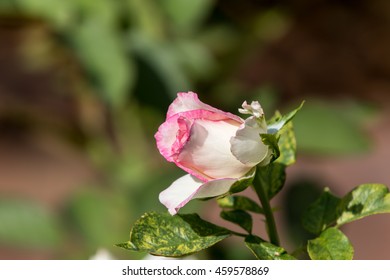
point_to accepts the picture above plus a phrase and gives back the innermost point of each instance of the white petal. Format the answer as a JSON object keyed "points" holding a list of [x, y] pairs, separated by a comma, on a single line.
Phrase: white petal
{"points": [[215, 188], [247, 145], [253, 109], [208, 150], [220, 187], [189, 187], [180, 192]]}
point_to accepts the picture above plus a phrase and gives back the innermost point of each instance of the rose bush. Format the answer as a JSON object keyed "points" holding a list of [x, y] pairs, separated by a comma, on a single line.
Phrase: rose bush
{"points": [[223, 154], [216, 148]]}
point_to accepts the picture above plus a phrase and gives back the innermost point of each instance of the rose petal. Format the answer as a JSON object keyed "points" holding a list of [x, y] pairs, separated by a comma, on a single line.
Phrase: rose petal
{"points": [[188, 187], [225, 186], [207, 153], [179, 193], [253, 109], [166, 137], [215, 188], [188, 101], [246, 145], [174, 133]]}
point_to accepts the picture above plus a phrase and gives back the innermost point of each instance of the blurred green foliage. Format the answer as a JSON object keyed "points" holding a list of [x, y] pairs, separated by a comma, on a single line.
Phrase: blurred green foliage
{"points": [[132, 57], [24, 223], [333, 129]]}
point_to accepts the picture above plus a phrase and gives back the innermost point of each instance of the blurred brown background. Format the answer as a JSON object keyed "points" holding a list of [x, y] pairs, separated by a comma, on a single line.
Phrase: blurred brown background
{"points": [[85, 84]]}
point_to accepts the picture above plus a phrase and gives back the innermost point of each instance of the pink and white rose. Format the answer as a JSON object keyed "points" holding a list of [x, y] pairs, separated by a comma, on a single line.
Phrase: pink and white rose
{"points": [[216, 148]]}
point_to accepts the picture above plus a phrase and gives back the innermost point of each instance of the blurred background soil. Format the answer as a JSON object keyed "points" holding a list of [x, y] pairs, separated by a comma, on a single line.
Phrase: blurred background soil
{"points": [[76, 138]]}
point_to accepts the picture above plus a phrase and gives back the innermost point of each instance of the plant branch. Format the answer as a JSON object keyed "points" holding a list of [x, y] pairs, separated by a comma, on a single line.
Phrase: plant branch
{"points": [[265, 203]]}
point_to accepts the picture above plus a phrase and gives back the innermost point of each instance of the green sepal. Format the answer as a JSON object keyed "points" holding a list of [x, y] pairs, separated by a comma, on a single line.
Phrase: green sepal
{"points": [[243, 182], [240, 203], [321, 213], [239, 217], [271, 140], [266, 251], [332, 244], [364, 200], [278, 121], [271, 177], [173, 236]]}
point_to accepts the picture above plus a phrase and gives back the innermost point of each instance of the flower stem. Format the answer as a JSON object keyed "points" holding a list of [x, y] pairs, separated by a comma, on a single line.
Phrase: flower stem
{"points": [[265, 203]]}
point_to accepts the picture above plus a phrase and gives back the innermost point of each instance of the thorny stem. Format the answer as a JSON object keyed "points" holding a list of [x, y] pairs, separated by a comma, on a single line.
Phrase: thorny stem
{"points": [[269, 216]]}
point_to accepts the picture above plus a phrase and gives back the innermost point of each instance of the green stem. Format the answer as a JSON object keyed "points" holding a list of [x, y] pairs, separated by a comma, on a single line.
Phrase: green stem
{"points": [[269, 216]]}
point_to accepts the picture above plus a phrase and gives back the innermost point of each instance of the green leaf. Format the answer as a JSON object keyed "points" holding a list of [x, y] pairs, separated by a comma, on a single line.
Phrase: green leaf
{"points": [[364, 200], [321, 213], [281, 137], [127, 246], [332, 244], [266, 251], [239, 203], [173, 236], [24, 223], [272, 178], [287, 145], [239, 217], [278, 122]]}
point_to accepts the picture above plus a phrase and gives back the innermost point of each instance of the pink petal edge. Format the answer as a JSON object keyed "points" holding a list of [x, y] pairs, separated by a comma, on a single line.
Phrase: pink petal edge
{"points": [[170, 151], [188, 101]]}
